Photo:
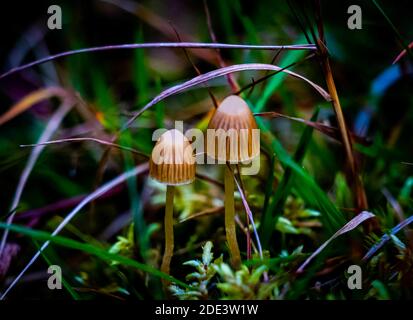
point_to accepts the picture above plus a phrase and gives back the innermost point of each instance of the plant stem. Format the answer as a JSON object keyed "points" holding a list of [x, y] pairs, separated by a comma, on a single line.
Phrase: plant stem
{"points": [[361, 199], [360, 194], [169, 230], [230, 218], [247, 217]]}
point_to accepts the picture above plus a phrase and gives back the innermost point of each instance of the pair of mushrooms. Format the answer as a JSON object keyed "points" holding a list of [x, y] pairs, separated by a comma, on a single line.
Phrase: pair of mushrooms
{"points": [[173, 163]]}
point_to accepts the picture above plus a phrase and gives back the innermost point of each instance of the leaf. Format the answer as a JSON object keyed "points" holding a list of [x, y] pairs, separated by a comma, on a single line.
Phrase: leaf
{"points": [[193, 263], [93, 250], [381, 289], [257, 273], [285, 226], [207, 254], [352, 224]]}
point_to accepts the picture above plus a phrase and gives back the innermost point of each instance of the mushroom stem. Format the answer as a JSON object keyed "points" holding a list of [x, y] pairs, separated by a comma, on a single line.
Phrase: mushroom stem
{"points": [[169, 230], [230, 218]]}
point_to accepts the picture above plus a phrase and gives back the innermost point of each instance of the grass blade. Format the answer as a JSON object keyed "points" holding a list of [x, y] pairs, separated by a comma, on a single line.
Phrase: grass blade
{"points": [[67, 286], [303, 183], [219, 73], [50, 129], [273, 85], [92, 196], [31, 99], [158, 45], [88, 248], [352, 224], [386, 237], [329, 131], [276, 203]]}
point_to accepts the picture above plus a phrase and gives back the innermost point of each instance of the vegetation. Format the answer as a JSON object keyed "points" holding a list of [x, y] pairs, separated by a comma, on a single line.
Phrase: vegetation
{"points": [[333, 106]]}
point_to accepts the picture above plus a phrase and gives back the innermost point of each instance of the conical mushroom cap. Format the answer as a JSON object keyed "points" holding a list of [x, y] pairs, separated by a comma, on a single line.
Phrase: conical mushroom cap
{"points": [[235, 137], [172, 160]]}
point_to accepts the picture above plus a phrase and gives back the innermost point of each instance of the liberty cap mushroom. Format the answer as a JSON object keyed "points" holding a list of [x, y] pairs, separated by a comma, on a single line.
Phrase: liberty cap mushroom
{"points": [[172, 163], [232, 138]]}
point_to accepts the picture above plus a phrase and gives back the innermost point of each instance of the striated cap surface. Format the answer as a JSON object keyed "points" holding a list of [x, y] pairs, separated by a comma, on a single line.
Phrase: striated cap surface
{"points": [[232, 133], [172, 160]]}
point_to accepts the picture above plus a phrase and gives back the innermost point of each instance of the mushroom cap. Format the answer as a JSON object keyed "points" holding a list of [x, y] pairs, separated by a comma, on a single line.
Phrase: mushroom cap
{"points": [[172, 160], [234, 139]]}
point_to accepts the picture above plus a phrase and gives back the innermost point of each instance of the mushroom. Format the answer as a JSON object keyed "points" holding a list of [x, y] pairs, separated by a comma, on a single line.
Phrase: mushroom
{"points": [[172, 163], [231, 141]]}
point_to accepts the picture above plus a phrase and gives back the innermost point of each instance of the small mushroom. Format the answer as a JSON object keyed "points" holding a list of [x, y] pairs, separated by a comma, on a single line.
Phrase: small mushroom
{"points": [[233, 124], [172, 163]]}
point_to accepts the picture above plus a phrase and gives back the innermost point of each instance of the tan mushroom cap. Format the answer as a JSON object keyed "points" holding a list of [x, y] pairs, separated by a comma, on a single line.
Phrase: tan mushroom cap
{"points": [[172, 160], [237, 134]]}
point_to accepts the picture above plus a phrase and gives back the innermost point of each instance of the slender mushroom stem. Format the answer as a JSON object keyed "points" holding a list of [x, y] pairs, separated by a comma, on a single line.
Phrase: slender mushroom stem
{"points": [[230, 218], [169, 230]]}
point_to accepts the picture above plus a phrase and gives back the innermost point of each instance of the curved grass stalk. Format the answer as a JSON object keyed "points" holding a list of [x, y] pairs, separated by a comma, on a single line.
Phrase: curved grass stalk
{"points": [[219, 73], [193, 45]]}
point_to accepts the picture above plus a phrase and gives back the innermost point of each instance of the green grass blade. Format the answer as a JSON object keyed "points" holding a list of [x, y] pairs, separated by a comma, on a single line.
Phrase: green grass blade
{"points": [[274, 209], [48, 257], [304, 185], [95, 251], [139, 225]]}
